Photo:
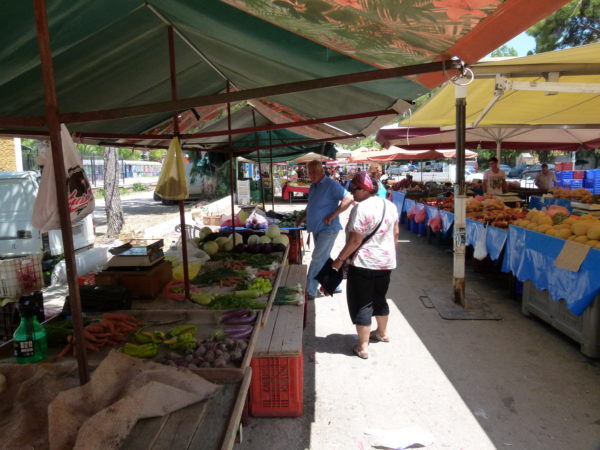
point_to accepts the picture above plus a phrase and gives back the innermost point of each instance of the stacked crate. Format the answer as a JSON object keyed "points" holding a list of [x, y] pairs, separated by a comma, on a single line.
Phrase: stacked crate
{"points": [[592, 181]]}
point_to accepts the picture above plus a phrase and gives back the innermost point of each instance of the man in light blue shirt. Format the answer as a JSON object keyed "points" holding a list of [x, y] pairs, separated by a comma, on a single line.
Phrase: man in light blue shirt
{"points": [[326, 200]]}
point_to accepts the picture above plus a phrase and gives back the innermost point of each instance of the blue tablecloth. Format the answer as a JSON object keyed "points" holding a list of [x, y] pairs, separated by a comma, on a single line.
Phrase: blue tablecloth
{"points": [[398, 200], [530, 257]]}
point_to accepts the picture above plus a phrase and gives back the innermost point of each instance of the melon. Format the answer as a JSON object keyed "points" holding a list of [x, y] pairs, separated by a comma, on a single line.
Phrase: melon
{"points": [[581, 239], [272, 231], [592, 242], [239, 239], [581, 228], [253, 239], [227, 246], [205, 231], [221, 240], [211, 247], [564, 233], [594, 232], [264, 240], [281, 239], [544, 227]]}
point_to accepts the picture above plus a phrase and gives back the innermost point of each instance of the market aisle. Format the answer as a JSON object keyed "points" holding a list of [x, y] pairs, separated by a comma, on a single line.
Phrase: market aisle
{"points": [[472, 384]]}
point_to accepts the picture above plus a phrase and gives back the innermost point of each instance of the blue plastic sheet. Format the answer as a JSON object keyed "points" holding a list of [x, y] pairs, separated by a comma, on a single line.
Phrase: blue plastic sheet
{"points": [[398, 200], [474, 230], [495, 241], [432, 211], [408, 203], [530, 257], [536, 202]]}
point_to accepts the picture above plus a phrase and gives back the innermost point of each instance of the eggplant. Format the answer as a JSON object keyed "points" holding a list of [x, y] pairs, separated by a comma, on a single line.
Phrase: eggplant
{"points": [[254, 248], [278, 248], [240, 320], [240, 248]]}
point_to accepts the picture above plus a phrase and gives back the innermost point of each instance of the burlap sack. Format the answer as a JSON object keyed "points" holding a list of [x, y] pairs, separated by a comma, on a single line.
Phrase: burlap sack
{"points": [[121, 390]]}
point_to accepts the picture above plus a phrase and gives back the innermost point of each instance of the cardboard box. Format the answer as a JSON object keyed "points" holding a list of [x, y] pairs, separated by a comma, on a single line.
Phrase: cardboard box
{"points": [[145, 282]]}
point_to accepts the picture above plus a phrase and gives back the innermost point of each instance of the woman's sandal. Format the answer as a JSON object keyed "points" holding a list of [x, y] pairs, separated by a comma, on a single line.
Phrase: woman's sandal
{"points": [[374, 336], [361, 355]]}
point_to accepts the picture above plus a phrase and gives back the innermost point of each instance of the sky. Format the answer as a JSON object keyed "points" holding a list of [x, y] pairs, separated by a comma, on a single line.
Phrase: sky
{"points": [[522, 44]]}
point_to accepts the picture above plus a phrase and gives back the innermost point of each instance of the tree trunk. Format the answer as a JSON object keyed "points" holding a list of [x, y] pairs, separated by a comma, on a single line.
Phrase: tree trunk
{"points": [[112, 197]]}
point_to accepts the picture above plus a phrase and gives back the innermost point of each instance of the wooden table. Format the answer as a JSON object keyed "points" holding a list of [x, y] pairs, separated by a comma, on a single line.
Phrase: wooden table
{"points": [[211, 424], [282, 334]]}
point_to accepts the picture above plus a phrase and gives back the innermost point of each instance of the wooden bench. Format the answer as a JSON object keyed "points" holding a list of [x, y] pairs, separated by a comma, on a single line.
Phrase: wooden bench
{"points": [[277, 383]]}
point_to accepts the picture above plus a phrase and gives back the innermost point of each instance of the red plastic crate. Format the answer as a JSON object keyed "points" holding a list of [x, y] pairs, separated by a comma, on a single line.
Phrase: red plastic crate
{"points": [[277, 386], [578, 174], [566, 165], [85, 280]]}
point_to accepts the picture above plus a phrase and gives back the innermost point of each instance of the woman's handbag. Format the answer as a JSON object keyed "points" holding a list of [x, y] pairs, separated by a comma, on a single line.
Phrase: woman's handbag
{"points": [[331, 278]]}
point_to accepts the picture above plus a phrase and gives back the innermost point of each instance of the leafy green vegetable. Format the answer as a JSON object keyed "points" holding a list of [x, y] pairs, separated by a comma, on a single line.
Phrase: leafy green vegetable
{"points": [[230, 301], [212, 276]]}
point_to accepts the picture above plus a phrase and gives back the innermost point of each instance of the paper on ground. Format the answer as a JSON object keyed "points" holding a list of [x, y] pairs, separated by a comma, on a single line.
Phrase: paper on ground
{"points": [[400, 438]]}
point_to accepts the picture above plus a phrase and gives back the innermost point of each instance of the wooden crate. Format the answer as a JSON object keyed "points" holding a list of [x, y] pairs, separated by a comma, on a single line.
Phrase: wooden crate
{"points": [[206, 322], [142, 284], [211, 424]]}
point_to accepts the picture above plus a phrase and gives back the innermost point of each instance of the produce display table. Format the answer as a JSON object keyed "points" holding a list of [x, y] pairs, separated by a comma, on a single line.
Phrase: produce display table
{"points": [[211, 424], [530, 257], [287, 190], [277, 384]]}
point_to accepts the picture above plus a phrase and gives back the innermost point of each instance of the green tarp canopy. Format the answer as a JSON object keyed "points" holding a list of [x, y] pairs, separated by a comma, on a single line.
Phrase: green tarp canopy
{"points": [[113, 54]]}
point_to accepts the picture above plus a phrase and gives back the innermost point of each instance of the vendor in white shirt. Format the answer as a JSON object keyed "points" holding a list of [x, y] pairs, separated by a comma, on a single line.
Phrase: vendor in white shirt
{"points": [[494, 179], [545, 179]]}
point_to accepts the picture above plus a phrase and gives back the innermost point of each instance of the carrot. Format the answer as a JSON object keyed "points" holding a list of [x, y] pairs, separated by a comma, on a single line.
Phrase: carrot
{"points": [[122, 317], [92, 347], [65, 350], [110, 325], [95, 328], [89, 336]]}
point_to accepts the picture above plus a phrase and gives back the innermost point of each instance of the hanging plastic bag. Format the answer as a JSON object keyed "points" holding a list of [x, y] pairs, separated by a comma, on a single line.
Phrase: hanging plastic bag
{"points": [[80, 197], [412, 211], [421, 215], [172, 183], [257, 220], [226, 221], [480, 251], [435, 223]]}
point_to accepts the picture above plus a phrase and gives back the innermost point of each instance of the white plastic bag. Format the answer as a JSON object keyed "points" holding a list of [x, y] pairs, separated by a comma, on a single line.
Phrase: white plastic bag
{"points": [[480, 251], [257, 220], [79, 192]]}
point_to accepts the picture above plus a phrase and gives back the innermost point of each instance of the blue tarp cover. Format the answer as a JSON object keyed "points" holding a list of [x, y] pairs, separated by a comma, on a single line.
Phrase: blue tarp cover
{"points": [[530, 256]]}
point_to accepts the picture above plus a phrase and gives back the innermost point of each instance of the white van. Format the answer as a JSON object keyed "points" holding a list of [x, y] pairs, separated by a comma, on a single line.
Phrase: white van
{"points": [[18, 237]]}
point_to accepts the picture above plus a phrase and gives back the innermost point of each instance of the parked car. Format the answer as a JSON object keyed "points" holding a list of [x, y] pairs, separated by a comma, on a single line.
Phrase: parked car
{"points": [[504, 167], [18, 236], [532, 171], [516, 171], [472, 163]]}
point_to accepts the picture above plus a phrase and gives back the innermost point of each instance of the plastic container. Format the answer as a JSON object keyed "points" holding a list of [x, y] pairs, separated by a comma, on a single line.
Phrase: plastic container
{"points": [[414, 226], [422, 228], [277, 386], [29, 339]]}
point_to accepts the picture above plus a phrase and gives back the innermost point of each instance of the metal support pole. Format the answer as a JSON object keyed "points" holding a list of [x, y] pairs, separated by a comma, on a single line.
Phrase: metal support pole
{"points": [[262, 185], [231, 172], [498, 150], [460, 199], [41, 22], [181, 204], [272, 179]]}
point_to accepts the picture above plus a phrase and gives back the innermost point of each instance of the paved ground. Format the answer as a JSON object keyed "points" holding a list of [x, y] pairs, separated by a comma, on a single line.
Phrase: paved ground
{"points": [[514, 383]]}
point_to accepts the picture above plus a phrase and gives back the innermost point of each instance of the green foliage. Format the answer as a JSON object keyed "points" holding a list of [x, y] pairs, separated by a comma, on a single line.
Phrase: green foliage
{"points": [[157, 155], [505, 50], [368, 142], [138, 187], [99, 193], [576, 23]]}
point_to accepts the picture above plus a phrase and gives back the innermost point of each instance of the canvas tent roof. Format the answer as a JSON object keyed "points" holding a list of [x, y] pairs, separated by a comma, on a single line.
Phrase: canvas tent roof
{"points": [[113, 55], [530, 108]]}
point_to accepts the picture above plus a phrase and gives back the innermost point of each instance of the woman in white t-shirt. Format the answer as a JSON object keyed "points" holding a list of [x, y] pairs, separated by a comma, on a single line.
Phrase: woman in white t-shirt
{"points": [[370, 267]]}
